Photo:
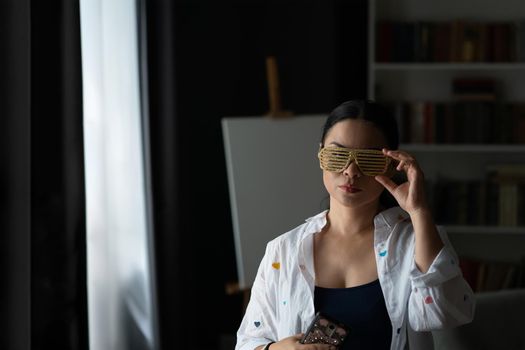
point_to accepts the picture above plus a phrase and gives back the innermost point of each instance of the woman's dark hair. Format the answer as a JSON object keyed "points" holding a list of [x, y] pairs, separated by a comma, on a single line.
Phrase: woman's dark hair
{"points": [[368, 111], [380, 117]]}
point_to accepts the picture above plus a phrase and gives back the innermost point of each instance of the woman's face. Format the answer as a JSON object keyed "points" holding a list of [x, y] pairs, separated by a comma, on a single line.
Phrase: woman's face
{"points": [[350, 187]]}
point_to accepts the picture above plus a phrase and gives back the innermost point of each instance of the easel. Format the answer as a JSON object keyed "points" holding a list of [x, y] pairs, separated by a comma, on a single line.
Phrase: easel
{"points": [[274, 95]]}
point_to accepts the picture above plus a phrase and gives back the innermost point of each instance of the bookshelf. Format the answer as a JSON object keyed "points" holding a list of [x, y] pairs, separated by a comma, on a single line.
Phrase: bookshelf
{"points": [[411, 80], [401, 78], [448, 66]]}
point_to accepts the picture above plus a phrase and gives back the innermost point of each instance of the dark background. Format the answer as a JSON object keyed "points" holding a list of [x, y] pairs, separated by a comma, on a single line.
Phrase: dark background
{"points": [[43, 299], [207, 61]]}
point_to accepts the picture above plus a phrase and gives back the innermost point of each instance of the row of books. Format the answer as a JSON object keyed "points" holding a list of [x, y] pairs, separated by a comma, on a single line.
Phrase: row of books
{"points": [[461, 121], [496, 200], [478, 203], [450, 41], [484, 276]]}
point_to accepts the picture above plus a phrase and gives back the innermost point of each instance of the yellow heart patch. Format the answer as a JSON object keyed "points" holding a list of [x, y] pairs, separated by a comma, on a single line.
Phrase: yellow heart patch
{"points": [[276, 265]]}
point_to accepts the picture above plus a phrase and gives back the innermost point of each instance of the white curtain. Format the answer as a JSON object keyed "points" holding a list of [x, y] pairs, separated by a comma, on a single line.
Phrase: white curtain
{"points": [[120, 279]]}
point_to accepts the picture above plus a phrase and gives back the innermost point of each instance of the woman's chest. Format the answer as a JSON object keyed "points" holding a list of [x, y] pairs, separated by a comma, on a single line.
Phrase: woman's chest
{"points": [[340, 264]]}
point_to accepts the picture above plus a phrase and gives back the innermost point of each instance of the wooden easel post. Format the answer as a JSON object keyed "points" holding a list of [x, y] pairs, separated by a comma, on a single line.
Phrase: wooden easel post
{"points": [[274, 93]]}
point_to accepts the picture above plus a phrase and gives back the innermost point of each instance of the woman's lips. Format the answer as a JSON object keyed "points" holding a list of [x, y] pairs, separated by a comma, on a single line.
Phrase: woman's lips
{"points": [[350, 189]]}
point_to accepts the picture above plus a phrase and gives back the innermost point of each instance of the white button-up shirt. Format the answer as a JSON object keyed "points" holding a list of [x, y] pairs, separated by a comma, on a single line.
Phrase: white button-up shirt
{"points": [[281, 302]]}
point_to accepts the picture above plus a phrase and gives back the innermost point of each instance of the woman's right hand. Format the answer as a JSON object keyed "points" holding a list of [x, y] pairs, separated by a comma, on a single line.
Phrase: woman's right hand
{"points": [[292, 343]]}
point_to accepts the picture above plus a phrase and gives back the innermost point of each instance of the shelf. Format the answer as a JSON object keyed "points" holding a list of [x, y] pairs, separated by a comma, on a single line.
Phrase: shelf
{"points": [[485, 230], [448, 66], [409, 82], [469, 148]]}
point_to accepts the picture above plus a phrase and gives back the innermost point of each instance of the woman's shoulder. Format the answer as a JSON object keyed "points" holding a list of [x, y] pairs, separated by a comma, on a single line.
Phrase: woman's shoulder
{"points": [[392, 216], [397, 217], [399, 226], [295, 235]]}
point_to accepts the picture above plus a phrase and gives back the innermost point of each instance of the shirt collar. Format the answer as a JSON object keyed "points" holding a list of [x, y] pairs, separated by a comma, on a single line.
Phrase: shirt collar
{"points": [[388, 217], [316, 223]]}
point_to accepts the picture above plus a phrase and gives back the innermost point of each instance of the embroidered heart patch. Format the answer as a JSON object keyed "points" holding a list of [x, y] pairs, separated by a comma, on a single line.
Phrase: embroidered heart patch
{"points": [[276, 265], [257, 323], [429, 300]]}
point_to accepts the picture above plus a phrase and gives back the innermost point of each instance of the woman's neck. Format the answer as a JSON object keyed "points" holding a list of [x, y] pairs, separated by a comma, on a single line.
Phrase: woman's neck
{"points": [[352, 222]]}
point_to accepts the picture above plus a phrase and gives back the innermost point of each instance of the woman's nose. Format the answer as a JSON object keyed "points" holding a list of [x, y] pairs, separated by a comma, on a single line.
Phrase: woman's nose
{"points": [[352, 170]]}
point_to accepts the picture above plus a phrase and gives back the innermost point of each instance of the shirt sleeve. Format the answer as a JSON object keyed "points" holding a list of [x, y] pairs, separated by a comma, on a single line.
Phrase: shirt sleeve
{"points": [[258, 326], [440, 298]]}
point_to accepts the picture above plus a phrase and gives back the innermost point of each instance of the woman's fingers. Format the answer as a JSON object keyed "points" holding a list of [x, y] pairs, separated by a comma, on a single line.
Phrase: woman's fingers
{"points": [[397, 154], [292, 343], [298, 337], [386, 182], [404, 165], [405, 160]]}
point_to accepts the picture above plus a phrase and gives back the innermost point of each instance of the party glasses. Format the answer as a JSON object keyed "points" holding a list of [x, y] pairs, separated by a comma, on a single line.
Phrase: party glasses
{"points": [[371, 162]]}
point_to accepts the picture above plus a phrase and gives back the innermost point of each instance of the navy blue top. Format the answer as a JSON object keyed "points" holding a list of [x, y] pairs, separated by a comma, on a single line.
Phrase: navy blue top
{"points": [[363, 309]]}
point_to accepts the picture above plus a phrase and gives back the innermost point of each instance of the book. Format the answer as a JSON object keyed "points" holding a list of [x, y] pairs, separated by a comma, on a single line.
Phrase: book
{"points": [[417, 122], [470, 42], [423, 45], [508, 179], [474, 89], [502, 36], [441, 42], [520, 41], [469, 268], [518, 123], [403, 42], [507, 204], [384, 41]]}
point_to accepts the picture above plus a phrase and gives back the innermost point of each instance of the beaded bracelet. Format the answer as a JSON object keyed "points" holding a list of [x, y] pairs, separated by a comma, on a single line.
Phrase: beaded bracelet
{"points": [[267, 346]]}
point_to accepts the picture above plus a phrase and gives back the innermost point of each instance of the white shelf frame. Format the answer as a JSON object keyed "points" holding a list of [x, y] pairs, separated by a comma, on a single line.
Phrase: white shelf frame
{"points": [[469, 148], [485, 230], [445, 66]]}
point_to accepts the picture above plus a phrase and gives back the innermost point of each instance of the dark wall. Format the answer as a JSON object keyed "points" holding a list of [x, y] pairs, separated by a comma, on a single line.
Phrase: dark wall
{"points": [[207, 58], [14, 175], [58, 235], [43, 302], [221, 48]]}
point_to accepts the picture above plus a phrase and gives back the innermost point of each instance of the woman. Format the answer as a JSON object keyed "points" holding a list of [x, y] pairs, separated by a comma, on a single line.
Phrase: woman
{"points": [[371, 267]]}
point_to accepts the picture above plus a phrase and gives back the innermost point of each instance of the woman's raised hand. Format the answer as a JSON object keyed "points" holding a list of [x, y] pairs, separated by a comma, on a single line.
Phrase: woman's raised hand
{"points": [[410, 195]]}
